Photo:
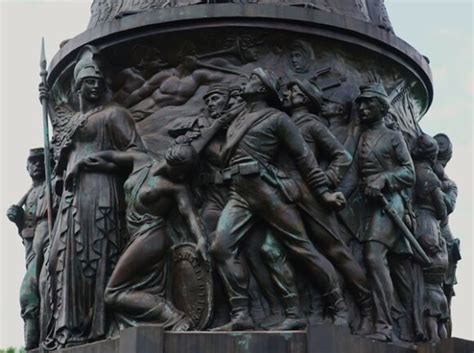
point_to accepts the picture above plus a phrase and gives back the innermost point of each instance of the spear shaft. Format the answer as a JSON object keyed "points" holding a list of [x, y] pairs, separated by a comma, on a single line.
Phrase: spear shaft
{"points": [[47, 157]]}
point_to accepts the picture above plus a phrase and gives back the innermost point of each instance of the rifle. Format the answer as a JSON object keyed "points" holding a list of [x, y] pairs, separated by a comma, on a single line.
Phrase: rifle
{"points": [[405, 231]]}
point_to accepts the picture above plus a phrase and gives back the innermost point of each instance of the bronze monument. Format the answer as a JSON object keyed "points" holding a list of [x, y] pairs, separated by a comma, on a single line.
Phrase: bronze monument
{"points": [[239, 166]]}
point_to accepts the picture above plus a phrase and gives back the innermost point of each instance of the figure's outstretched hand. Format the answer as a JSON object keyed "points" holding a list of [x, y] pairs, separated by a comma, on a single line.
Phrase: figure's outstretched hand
{"points": [[71, 177], [43, 92], [375, 186], [15, 214]]}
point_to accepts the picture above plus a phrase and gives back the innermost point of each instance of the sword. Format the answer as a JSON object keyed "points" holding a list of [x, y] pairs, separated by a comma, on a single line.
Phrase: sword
{"points": [[406, 232], [47, 159]]}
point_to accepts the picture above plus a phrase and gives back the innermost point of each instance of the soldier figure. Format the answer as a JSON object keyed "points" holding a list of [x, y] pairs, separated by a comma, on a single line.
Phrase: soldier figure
{"points": [[260, 190], [450, 191], [430, 209], [216, 99], [385, 167], [31, 217], [221, 101], [338, 114], [304, 99]]}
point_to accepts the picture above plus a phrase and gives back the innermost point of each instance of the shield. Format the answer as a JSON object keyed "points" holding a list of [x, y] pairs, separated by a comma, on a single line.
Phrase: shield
{"points": [[191, 284]]}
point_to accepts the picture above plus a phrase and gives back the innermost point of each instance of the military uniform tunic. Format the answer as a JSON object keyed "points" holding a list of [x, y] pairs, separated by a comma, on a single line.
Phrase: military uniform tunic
{"points": [[256, 139], [382, 151]]}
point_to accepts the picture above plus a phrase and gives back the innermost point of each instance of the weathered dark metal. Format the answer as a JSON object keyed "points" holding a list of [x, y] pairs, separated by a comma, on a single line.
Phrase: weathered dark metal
{"points": [[266, 16], [405, 231], [30, 215], [191, 284], [220, 168], [47, 147]]}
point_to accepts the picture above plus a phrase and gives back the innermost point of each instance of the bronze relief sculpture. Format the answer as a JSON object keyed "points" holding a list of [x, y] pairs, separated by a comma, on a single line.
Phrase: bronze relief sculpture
{"points": [[246, 178]]}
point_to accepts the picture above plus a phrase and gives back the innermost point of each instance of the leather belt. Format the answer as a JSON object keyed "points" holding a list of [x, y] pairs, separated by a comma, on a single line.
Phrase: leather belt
{"points": [[248, 168], [226, 174]]}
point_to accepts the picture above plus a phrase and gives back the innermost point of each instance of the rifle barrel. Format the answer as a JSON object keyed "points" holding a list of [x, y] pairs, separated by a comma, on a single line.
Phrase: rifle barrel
{"points": [[406, 232]]}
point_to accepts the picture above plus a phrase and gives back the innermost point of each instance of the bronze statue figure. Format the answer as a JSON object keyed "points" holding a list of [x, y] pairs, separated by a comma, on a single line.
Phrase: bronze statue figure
{"points": [[259, 189], [136, 291], [430, 208], [385, 168], [450, 191], [88, 235], [31, 218], [303, 99]]}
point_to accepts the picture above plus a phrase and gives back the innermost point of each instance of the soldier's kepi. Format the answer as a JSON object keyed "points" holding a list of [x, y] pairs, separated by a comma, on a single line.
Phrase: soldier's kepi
{"points": [[259, 190], [30, 215], [385, 166]]}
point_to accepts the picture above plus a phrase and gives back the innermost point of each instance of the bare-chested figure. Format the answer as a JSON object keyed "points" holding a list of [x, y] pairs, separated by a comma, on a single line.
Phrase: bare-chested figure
{"points": [[175, 86]]}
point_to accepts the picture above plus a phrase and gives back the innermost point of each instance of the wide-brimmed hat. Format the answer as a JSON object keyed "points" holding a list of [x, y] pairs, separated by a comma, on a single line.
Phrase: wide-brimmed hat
{"points": [[373, 90], [271, 82], [311, 90], [445, 147]]}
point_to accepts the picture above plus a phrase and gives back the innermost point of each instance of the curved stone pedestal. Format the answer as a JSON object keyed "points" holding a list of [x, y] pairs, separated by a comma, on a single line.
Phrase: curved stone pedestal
{"points": [[317, 339]]}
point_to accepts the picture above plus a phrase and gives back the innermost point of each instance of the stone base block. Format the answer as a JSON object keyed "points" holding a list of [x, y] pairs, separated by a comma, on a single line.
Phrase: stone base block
{"points": [[316, 339]]}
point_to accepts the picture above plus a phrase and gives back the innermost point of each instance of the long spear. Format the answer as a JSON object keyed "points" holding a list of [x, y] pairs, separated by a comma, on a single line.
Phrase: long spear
{"points": [[47, 158]]}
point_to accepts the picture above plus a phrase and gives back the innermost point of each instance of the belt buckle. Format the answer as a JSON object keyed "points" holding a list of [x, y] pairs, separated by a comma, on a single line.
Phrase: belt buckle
{"points": [[218, 178], [249, 168], [227, 174]]}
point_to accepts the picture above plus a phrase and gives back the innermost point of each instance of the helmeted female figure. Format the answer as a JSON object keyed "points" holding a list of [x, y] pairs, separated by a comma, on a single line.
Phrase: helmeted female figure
{"points": [[88, 234]]}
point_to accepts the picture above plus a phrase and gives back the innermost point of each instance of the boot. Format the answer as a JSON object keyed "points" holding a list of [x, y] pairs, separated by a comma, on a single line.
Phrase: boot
{"points": [[366, 326], [184, 324], [406, 329], [240, 316], [379, 336], [337, 307], [271, 320], [293, 320], [31, 327]]}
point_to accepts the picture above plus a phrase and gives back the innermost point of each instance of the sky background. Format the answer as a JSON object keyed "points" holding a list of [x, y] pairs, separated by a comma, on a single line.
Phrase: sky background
{"points": [[441, 30]]}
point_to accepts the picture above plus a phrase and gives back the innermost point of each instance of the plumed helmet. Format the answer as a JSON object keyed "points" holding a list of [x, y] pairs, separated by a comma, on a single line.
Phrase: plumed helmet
{"points": [[311, 90], [271, 82], [86, 65]]}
